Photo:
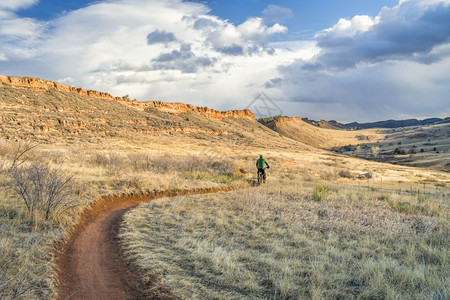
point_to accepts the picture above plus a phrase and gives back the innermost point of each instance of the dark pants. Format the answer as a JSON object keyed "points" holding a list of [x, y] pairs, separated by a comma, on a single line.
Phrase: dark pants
{"points": [[263, 171]]}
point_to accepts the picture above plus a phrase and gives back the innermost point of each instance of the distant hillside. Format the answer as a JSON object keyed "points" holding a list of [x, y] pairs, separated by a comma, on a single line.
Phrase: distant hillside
{"points": [[380, 124], [46, 111], [301, 130], [397, 123], [332, 124]]}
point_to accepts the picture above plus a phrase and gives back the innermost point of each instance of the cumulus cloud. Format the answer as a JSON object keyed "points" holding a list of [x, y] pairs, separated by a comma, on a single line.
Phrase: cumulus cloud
{"points": [[16, 4], [409, 31], [160, 37], [206, 24], [274, 82], [231, 50], [18, 36], [377, 67], [274, 13], [183, 59], [247, 38]]}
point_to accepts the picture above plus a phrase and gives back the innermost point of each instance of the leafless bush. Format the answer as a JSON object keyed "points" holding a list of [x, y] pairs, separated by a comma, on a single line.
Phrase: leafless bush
{"points": [[42, 188], [164, 163], [327, 175], [113, 163], [345, 174], [168, 163], [140, 162], [99, 159], [15, 154]]}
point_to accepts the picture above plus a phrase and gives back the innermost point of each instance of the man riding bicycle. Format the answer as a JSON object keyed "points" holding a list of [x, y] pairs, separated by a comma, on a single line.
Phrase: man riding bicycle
{"points": [[261, 164]]}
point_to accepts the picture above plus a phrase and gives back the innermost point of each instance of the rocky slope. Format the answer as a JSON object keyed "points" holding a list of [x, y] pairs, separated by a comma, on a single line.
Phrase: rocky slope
{"points": [[37, 84], [45, 111]]}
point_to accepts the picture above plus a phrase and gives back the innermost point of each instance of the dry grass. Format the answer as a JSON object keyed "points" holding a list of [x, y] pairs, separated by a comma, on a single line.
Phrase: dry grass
{"points": [[279, 242], [27, 238], [418, 146]]}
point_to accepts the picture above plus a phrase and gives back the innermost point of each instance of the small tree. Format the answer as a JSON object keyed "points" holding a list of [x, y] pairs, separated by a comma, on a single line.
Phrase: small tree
{"points": [[42, 188]]}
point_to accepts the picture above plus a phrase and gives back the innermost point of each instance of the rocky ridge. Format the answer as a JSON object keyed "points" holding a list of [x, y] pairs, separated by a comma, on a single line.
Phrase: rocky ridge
{"points": [[42, 85]]}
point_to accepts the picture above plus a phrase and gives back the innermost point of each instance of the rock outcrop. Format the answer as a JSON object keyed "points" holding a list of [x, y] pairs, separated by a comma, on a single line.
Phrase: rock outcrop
{"points": [[42, 85], [278, 122], [177, 108]]}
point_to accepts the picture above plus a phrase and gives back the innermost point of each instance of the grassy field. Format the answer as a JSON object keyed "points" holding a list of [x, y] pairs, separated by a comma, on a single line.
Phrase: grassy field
{"points": [[417, 146], [292, 239], [28, 239]]}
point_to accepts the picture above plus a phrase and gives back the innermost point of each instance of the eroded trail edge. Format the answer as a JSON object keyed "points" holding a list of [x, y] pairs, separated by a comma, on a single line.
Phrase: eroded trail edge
{"points": [[90, 265]]}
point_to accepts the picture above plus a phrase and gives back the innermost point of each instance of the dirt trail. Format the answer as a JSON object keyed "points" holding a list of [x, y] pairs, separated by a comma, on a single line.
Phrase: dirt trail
{"points": [[90, 265]]}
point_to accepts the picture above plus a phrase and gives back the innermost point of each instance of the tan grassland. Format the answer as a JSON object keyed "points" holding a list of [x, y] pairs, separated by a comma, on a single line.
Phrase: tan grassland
{"points": [[418, 146], [353, 235], [292, 239]]}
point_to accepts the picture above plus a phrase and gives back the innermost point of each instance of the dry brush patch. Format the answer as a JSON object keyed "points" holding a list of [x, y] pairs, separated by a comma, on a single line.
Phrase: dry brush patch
{"points": [[282, 242]]}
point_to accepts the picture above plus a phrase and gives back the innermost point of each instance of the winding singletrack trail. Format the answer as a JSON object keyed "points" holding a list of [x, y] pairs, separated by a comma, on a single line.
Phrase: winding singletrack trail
{"points": [[90, 265]]}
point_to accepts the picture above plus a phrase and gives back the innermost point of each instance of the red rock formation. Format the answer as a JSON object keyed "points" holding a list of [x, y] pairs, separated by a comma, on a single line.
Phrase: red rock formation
{"points": [[42, 85], [283, 120]]}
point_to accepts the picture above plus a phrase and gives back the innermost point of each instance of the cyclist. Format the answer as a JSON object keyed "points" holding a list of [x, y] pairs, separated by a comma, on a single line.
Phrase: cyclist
{"points": [[261, 164]]}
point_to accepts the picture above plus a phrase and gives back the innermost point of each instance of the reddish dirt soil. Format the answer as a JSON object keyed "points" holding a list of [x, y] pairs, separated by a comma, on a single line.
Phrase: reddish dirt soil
{"points": [[90, 265]]}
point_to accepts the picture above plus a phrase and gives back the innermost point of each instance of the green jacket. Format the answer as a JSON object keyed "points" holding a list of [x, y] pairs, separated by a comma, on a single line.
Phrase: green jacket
{"points": [[260, 163]]}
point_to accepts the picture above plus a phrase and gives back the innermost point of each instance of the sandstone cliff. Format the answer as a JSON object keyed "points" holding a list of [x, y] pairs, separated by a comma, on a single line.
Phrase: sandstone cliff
{"points": [[278, 122], [37, 84]]}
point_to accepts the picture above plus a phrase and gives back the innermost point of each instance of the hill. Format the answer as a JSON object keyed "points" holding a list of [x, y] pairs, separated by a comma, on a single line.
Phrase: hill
{"points": [[396, 123], [300, 130], [425, 146], [37, 109], [379, 124]]}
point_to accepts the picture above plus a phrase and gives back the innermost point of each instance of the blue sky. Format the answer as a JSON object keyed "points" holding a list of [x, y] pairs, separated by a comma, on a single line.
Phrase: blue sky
{"points": [[348, 60], [308, 17]]}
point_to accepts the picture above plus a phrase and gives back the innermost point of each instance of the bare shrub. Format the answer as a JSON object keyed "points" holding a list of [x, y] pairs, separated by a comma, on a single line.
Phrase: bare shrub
{"points": [[345, 174], [327, 175], [112, 163], [15, 154], [140, 162], [115, 164], [99, 159], [164, 163], [169, 163], [42, 188]]}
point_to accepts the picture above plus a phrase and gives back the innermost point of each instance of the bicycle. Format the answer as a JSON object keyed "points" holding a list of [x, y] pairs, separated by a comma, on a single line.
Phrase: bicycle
{"points": [[261, 177]]}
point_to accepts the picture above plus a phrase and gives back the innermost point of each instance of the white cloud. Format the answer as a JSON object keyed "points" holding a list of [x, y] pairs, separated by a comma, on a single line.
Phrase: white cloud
{"points": [[349, 28], [18, 36], [255, 29], [122, 46], [377, 68], [16, 4], [409, 31], [274, 13]]}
